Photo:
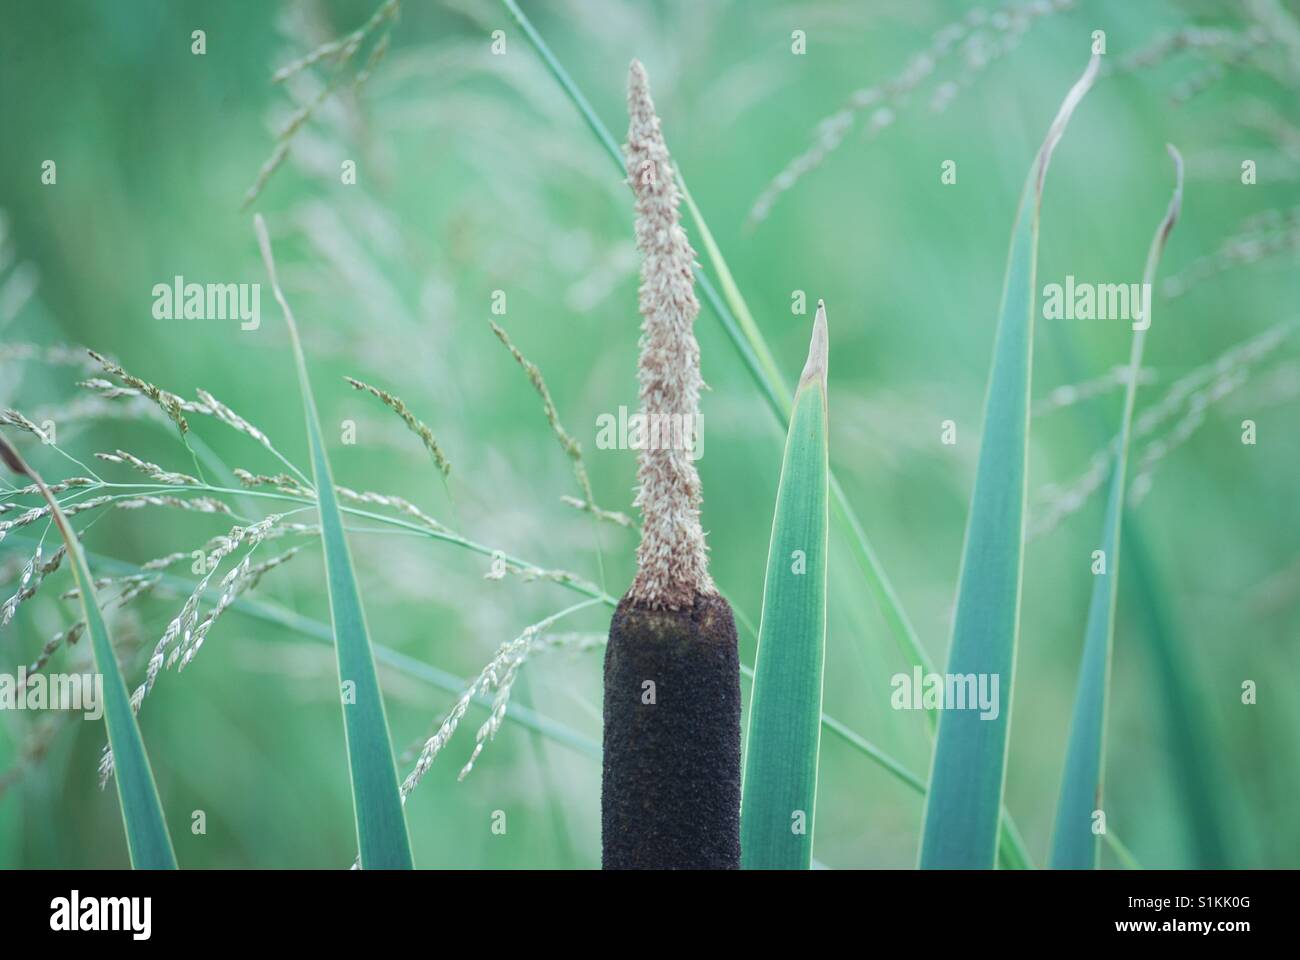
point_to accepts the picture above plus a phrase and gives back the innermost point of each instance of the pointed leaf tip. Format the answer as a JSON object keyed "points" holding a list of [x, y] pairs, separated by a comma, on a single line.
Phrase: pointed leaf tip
{"points": [[1057, 129], [818, 349]]}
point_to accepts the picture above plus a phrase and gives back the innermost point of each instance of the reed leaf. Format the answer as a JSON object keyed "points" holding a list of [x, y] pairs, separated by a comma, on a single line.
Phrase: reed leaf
{"points": [[147, 839], [1075, 845], [381, 825], [779, 795], [968, 768]]}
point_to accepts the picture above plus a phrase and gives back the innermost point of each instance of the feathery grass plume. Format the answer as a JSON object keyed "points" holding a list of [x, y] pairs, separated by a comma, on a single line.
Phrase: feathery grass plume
{"points": [[670, 787], [340, 53], [499, 675], [194, 504], [1189, 399], [133, 587], [1263, 236], [1194, 39], [31, 490], [151, 470], [40, 513], [185, 633], [16, 419], [413, 423], [210, 405], [281, 481], [170, 404], [246, 576], [502, 672], [395, 503], [976, 41], [1067, 395], [34, 573], [570, 446]]}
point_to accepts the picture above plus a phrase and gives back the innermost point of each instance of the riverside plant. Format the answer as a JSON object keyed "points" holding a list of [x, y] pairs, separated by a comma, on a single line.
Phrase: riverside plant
{"points": [[670, 789], [673, 794]]}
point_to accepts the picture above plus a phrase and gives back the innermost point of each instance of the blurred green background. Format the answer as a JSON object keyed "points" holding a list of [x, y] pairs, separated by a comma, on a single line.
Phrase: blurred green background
{"points": [[476, 174]]}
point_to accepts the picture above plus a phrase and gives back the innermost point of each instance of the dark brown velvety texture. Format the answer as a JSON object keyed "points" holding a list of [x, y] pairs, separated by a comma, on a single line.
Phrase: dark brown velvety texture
{"points": [[670, 791]]}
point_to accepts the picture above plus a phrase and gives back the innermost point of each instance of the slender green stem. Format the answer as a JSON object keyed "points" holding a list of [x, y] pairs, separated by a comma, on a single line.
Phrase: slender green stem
{"points": [[1121, 852]]}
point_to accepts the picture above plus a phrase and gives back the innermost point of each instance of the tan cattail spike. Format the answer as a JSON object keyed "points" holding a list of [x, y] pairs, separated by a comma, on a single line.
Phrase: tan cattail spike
{"points": [[672, 562]]}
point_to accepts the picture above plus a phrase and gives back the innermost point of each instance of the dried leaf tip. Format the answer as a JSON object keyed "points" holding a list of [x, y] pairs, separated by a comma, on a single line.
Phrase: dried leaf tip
{"points": [[672, 559], [1057, 129], [12, 460], [818, 349]]}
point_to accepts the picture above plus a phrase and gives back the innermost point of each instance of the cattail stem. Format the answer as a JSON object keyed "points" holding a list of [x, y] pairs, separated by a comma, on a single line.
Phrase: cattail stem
{"points": [[670, 790]]}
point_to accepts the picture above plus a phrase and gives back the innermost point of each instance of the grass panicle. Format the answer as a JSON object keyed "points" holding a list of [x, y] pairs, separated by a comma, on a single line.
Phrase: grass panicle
{"points": [[413, 423], [339, 54], [571, 447]]}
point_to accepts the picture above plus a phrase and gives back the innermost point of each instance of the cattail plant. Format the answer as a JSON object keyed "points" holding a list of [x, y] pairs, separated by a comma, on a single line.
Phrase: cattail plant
{"points": [[670, 790]]}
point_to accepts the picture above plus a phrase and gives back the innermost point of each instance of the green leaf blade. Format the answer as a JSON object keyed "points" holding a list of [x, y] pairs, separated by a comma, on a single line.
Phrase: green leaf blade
{"points": [[1075, 845], [784, 742], [970, 749], [382, 838], [148, 841], [963, 806]]}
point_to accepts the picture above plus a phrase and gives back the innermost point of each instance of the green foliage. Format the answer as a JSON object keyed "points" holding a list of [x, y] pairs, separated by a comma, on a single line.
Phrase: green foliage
{"points": [[1076, 845], [381, 824], [147, 839], [780, 785], [963, 805]]}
